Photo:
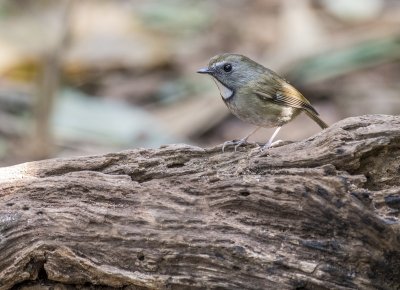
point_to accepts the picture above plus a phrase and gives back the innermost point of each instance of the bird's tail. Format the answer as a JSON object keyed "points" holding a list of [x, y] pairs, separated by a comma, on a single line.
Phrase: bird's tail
{"points": [[317, 119]]}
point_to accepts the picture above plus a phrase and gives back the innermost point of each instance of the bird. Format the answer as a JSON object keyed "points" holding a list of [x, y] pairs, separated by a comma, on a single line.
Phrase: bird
{"points": [[257, 95]]}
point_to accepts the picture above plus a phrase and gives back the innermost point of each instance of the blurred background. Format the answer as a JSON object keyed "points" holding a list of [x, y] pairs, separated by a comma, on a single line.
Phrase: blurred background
{"points": [[94, 76]]}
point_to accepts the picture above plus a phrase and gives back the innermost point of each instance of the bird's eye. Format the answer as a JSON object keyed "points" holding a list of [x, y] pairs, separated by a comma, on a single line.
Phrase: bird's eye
{"points": [[227, 67]]}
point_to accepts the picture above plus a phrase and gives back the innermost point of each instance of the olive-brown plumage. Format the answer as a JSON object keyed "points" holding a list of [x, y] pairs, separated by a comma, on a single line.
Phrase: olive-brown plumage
{"points": [[256, 94]]}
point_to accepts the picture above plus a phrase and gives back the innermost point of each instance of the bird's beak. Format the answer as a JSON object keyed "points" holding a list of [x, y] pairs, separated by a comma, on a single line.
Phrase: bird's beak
{"points": [[204, 70]]}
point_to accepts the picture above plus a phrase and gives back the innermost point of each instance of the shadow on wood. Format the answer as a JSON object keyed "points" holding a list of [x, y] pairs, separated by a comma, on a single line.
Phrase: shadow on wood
{"points": [[322, 213]]}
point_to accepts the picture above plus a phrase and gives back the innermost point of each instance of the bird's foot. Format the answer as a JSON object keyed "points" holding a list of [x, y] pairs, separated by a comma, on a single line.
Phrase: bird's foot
{"points": [[237, 143], [270, 144]]}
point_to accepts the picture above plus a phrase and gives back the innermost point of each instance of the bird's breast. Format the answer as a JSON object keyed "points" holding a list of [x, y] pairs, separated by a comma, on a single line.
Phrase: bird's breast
{"points": [[251, 109]]}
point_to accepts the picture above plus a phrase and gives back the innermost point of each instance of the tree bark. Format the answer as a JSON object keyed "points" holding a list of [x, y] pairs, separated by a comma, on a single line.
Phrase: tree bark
{"points": [[322, 213]]}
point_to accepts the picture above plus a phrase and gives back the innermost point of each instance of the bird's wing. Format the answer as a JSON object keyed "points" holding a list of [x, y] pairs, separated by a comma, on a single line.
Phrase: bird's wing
{"points": [[276, 90]]}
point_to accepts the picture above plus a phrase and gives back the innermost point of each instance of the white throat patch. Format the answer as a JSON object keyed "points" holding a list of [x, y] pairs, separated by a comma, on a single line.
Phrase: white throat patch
{"points": [[224, 91]]}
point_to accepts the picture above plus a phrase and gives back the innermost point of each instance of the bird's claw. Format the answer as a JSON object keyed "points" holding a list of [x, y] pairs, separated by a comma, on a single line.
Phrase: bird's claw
{"points": [[237, 144], [269, 145]]}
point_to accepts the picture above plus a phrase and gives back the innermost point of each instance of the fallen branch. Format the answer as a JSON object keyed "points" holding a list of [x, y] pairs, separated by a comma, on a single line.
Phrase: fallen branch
{"points": [[317, 214]]}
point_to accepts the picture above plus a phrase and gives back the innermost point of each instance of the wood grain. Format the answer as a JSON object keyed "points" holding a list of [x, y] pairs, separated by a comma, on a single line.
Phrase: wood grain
{"points": [[322, 213]]}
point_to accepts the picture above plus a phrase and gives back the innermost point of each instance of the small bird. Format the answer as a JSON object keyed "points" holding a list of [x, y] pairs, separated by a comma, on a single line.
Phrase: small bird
{"points": [[257, 95]]}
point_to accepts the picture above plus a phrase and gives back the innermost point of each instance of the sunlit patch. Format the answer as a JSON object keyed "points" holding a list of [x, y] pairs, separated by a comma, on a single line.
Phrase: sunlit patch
{"points": [[13, 172]]}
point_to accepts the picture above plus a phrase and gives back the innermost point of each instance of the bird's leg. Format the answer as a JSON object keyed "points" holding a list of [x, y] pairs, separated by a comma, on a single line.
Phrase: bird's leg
{"points": [[240, 142], [270, 141]]}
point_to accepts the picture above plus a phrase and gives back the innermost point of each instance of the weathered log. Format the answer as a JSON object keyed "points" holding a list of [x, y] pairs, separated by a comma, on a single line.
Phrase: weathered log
{"points": [[317, 214]]}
